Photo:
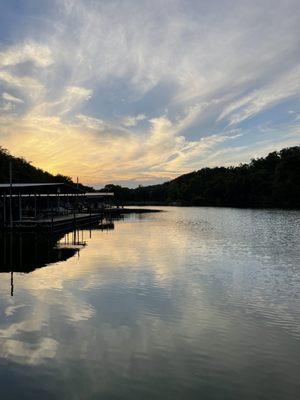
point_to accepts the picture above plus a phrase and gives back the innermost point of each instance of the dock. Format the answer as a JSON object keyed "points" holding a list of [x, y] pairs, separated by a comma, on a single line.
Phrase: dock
{"points": [[58, 223], [57, 207], [50, 207]]}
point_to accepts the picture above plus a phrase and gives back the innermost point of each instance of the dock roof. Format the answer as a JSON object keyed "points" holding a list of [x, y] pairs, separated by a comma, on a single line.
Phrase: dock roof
{"points": [[29, 185], [40, 187]]}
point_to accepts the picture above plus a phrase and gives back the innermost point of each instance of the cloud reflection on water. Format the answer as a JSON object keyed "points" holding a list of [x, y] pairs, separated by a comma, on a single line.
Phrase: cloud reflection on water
{"points": [[166, 298]]}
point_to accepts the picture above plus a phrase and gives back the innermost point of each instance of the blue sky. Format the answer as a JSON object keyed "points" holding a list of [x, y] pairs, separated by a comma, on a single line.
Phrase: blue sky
{"points": [[138, 92]]}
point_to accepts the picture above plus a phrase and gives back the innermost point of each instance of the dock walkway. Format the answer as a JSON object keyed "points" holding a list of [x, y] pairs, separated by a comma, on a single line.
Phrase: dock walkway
{"points": [[57, 223]]}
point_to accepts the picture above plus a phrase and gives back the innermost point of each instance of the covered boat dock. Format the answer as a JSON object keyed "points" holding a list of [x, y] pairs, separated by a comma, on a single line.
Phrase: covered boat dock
{"points": [[50, 206]]}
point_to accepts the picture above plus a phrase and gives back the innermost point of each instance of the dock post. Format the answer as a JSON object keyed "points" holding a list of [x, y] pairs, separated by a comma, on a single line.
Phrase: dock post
{"points": [[20, 207], [34, 205], [74, 217], [11, 263], [51, 217], [10, 195], [4, 210]]}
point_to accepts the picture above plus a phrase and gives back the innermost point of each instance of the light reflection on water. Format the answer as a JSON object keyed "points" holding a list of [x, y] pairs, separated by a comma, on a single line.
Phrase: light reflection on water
{"points": [[189, 303]]}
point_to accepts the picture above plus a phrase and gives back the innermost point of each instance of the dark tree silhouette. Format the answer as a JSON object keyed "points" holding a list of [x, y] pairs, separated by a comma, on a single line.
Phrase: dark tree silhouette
{"points": [[273, 181]]}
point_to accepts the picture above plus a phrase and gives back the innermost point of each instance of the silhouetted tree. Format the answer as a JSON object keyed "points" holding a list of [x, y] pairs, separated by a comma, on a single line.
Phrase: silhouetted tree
{"points": [[272, 181]]}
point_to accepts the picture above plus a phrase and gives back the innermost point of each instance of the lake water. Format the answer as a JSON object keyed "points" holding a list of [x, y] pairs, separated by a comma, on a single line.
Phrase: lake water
{"points": [[191, 303]]}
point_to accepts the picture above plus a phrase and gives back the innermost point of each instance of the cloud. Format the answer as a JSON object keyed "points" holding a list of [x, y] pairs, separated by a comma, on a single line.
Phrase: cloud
{"points": [[133, 120], [31, 87], [7, 107], [74, 96], [89, 122], [88, 148], [260, 99], [35, 52], [79, 92], [13, 99], [141, 92]]}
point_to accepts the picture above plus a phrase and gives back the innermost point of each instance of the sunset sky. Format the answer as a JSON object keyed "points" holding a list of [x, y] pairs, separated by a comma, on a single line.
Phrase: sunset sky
{"points": [[138, 92]]}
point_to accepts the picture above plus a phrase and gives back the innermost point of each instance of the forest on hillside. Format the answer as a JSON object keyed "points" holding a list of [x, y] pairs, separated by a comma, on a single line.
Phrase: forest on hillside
{"points": [[23, 171], [271, 181]]}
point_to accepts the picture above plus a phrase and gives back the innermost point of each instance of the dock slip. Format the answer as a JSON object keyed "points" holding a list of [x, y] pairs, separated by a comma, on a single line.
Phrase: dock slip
{"points": [[50, 206], [57, 206], [59, 222]]}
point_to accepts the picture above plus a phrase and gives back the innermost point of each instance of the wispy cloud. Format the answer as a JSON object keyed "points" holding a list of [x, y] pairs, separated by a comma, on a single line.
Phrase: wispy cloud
{"points": [[35, 52], [133, 120], [139, 91], [13, 99]]}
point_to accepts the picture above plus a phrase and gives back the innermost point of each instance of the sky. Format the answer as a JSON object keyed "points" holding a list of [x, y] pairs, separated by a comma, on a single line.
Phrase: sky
{"points": [[138, 92]]}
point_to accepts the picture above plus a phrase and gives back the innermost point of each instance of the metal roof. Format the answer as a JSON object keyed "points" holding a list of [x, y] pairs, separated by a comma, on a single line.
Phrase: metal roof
{"points": [[99, 194], [40, 185], [29, 185]]}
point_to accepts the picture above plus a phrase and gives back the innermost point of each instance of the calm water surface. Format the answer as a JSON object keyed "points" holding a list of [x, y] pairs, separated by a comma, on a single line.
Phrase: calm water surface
{"points": [[191, 303]]}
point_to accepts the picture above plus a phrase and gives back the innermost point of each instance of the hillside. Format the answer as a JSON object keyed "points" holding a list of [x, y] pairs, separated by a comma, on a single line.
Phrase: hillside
{"points": [[23, 171], [272, 181]]}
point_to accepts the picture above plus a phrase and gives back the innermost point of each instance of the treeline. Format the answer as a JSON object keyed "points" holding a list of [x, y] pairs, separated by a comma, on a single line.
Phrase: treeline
{"points": [[272, 181], [23, 171]]}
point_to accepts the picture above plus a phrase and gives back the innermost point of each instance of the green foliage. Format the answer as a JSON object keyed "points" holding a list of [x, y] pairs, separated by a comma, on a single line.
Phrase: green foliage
{"points": [[273, 181]]}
